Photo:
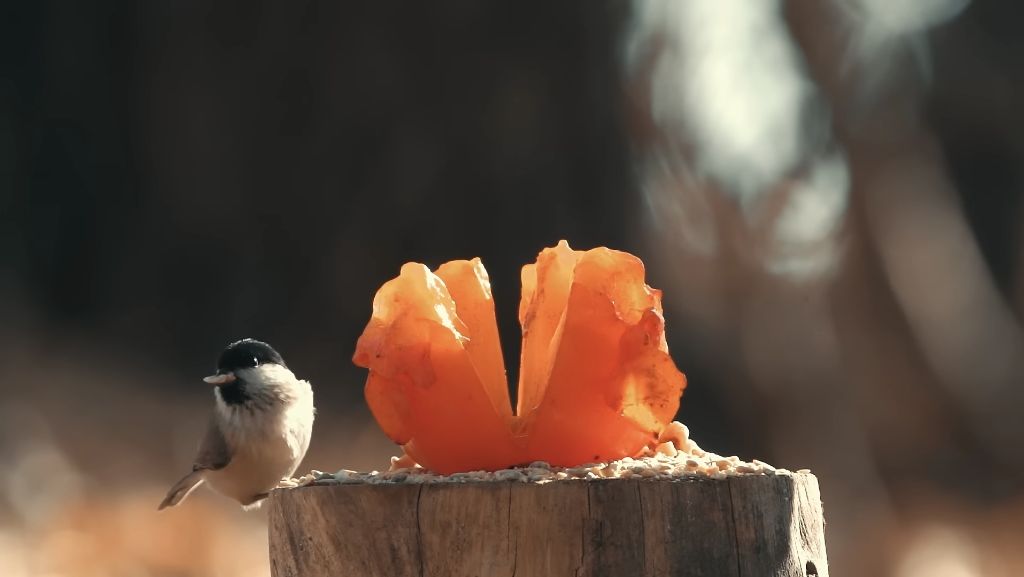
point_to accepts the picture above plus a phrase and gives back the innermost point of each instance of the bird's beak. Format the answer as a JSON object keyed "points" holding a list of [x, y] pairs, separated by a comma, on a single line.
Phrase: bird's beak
{"points": [[220, 378]]}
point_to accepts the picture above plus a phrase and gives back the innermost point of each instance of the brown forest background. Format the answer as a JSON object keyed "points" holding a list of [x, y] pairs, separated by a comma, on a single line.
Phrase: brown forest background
{"points": [[829, 192]]}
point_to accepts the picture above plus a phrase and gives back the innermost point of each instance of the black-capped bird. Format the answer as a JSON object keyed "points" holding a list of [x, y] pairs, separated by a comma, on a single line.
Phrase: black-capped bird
{"points": [[259, 430]]}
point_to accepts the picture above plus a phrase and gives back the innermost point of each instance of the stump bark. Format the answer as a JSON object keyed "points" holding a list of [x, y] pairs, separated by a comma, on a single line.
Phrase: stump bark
{"points": [[745, 526]]}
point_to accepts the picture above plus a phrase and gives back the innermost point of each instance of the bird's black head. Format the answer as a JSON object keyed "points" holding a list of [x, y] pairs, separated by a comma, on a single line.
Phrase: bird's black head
{"points": [[247, 354]]}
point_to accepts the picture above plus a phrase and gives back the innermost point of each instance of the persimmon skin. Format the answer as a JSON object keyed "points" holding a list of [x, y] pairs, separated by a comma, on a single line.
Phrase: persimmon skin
{"points": [[470, 288], [611, 386], [596, 380], [423, 388], [542, 307]]}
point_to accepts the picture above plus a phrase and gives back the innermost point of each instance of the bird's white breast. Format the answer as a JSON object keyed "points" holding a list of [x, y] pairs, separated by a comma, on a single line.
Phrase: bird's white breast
{"points": [[268, 436]]}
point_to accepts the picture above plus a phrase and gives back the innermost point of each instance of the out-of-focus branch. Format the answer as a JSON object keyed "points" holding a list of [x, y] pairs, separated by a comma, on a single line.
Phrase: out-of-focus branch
{"points": [[918, 237]]}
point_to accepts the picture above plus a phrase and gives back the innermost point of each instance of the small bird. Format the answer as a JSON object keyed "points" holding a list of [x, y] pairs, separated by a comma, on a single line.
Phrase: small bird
{"points": [[259, 430]]}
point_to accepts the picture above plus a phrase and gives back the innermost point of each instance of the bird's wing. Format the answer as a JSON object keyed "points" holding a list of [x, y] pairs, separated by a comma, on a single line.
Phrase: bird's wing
{"points": [[214, 451]]}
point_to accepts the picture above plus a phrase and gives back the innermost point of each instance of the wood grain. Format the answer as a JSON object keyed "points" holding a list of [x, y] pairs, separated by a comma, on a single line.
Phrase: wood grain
{"points": [[748, 526]]}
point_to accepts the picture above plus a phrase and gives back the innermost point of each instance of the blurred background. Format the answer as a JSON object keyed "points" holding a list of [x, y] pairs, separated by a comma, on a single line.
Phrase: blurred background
{"points": [[828, 191]]}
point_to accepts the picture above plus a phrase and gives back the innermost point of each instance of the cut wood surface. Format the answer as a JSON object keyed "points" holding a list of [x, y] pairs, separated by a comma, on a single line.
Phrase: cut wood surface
{"points": [[744, 526]]}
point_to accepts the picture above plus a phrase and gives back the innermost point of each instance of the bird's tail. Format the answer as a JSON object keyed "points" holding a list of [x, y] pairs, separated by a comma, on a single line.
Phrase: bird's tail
{"points": [[182, 489]]}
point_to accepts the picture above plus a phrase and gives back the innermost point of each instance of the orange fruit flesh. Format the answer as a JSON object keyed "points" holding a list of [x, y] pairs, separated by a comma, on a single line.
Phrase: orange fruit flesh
{"points": [[596, 380], [423, 387], [470, 288]]}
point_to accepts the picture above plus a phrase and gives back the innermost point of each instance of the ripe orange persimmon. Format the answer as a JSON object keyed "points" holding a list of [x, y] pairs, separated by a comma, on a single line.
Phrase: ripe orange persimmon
{"points": [[596, 380]]}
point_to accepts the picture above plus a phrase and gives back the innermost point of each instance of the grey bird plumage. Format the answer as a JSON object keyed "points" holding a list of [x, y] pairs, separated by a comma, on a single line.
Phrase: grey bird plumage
{"points": [[260, 427]]}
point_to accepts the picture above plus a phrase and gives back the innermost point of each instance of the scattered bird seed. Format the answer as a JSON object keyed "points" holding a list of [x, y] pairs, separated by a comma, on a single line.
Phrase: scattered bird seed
{"points": [[675, 456]]}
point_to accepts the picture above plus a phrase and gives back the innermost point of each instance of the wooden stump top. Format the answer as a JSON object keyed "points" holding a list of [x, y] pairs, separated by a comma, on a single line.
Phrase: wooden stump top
{"points": [[740, 526]]}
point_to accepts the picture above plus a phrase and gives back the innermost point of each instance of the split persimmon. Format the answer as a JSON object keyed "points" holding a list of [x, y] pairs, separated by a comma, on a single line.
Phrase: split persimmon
{"points": [[596, 380]]}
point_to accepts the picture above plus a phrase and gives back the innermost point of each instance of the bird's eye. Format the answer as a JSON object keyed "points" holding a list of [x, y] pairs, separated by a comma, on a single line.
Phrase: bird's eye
{"points": [[255, 362]]}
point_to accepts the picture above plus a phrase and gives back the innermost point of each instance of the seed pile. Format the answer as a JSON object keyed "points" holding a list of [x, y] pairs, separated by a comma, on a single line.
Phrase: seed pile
{"points": [[674, 456]]}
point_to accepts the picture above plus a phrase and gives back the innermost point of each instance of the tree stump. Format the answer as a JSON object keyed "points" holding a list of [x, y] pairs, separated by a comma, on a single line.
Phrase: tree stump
{"points": [[742, 526]]}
